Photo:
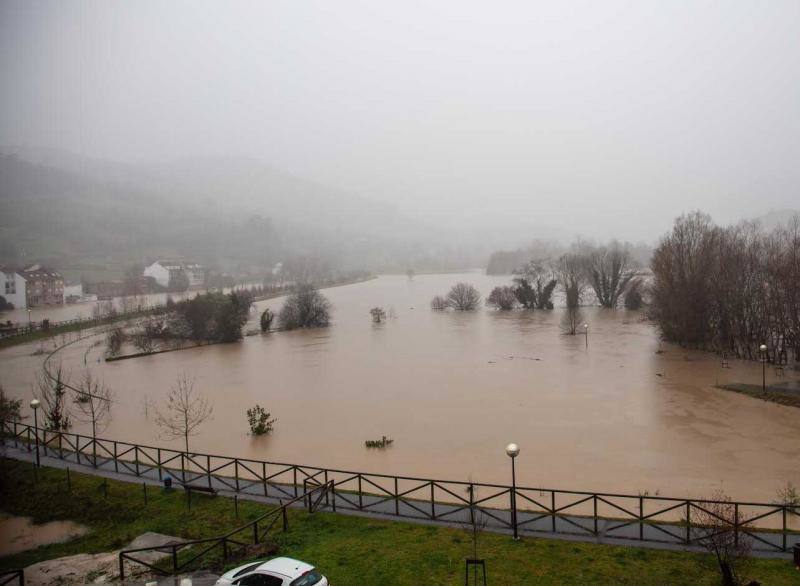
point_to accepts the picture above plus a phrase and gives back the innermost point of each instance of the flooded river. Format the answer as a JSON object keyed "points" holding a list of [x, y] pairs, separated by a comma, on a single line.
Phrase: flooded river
{"points": [[626, 414]]}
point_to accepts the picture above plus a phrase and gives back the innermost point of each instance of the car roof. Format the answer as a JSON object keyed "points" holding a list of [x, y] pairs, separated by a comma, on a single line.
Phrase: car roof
{"points": [[286, 566]]}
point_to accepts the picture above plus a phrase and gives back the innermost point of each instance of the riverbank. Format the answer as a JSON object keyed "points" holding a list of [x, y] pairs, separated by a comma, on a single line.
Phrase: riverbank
{"points": [[77, 325], [773, 393], [348, 550]]}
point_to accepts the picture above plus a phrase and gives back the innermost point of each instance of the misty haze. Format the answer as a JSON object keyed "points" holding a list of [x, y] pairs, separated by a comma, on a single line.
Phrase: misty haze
{"points": [[298, 292]]}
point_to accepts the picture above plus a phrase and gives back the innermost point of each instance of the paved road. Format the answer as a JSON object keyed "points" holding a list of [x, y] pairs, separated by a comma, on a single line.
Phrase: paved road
{"points": [[531, 524]]}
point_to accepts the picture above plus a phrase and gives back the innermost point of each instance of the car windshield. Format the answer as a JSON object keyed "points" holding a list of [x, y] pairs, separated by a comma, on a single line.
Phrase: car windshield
{"points": [[307, 579]]}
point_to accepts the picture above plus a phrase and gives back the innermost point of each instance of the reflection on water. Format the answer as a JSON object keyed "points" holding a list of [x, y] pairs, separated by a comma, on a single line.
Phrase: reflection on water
{"points": [[453, 389]]}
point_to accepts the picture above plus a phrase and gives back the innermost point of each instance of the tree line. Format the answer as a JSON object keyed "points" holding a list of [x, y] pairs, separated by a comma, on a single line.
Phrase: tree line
{"points": [[729, 289]]}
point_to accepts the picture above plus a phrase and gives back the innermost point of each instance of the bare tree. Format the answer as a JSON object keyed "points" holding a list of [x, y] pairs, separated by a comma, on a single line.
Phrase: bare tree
{"points": [[609, 269], [93, 403], [463, 297], [718, 526], [570, 275], [51, 390], [477, 524], [185, 410], [502, 298]]}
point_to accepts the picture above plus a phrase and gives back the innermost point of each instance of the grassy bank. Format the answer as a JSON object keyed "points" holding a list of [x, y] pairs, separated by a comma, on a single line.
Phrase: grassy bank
{"points": [[349, 550], [772, 394]]}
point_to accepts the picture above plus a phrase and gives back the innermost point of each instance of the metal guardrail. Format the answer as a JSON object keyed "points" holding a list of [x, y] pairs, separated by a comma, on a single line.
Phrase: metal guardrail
{"points": [[12, 576], [258, 528], [612, 516]]}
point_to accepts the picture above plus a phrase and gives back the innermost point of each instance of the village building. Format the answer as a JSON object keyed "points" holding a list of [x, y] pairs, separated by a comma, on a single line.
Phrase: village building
{"points": [[176, 274], [12, 287], [43, 286]]}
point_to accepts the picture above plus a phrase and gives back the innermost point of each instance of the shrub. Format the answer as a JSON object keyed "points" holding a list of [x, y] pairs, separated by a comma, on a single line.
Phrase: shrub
{"points": [[438, 303], [114, 341], [259, 420], [381, 443], [502, 298], [305, 308], [633, 296], [378, 314], [266, 320], [463, 297]]}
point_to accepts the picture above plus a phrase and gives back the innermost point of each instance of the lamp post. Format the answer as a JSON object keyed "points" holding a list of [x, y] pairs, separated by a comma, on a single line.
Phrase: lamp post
{"points": [[586, 333], [512, 451], [763, 349], [29, 319], [35, 406]]}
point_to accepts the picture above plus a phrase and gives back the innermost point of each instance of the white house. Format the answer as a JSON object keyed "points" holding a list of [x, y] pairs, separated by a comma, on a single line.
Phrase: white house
{"points": [[12, 287], [166, 272]]}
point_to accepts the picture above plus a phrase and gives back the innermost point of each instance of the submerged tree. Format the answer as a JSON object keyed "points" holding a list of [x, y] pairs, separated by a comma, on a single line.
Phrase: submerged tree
{"points": [[609, 269], [502, 298], [463, 297], [185, 410], [438, 303], [305, 308], [633, 296], [534, 286], [260, 420], [378, 314], [570, 275]]}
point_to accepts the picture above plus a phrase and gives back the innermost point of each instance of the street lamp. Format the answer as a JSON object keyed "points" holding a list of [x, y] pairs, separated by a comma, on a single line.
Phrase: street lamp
{"points": [[586, 333], [29, 318], [512, 451], [763, 349], [35, 406]]}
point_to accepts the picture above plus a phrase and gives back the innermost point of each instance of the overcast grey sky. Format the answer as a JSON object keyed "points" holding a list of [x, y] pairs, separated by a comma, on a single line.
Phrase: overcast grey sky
{"points": [[607, 117]]}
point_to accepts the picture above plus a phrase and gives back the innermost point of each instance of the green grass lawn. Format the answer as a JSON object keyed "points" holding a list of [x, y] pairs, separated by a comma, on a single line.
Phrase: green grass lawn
{"points": [[349, 550]]}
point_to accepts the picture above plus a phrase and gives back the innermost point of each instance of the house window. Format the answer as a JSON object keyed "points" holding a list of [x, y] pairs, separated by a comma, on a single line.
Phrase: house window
{"points": [[11, 288]]}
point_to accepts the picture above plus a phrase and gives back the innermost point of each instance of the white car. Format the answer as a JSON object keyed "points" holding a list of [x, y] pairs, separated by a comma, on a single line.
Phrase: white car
{"points": [[275, 572]]}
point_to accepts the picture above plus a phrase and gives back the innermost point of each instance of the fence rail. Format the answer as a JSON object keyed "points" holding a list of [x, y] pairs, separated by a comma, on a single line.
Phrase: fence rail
{"points": [[12, 577], [258, 529], [614, 517]]}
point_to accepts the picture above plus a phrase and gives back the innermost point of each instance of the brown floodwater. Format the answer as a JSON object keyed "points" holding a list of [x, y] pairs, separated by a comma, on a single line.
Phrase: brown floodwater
{"points": [[20, 534], [627, 414]]}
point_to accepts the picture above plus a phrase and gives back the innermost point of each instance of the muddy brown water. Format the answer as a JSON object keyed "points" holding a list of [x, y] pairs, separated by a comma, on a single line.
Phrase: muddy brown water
{"points": [[21, 534], [628, 414]]}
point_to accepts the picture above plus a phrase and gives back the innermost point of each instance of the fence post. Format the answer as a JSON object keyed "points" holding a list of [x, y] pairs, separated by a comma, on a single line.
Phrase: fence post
{"points": [[327, 502], [360, 501], [264, 476], [333, 494], [183, 469], [116, 465], [594, 498], [433, 503], [208, 469], [396, 498], [136, 458], [783, 510], [641, 518], [158, 456], [285, 521], [294, 470], [236, 472], [553, 508], [688, 523]]}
